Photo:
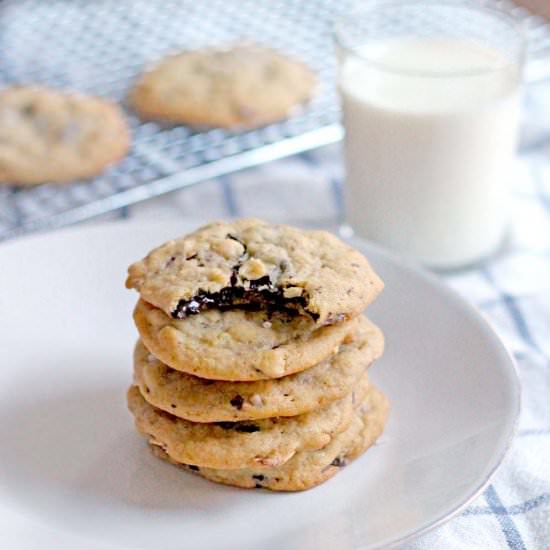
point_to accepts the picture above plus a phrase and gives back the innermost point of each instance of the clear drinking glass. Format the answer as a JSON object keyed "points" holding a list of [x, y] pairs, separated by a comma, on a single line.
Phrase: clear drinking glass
{"points": [[431, 100]]}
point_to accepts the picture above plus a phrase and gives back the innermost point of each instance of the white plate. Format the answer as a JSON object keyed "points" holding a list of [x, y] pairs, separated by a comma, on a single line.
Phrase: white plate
{"points": [[74, 474]]}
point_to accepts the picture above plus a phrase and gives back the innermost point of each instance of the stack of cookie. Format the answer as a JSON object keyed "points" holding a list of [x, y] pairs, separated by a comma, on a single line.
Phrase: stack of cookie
{"points": [[251, 364]]}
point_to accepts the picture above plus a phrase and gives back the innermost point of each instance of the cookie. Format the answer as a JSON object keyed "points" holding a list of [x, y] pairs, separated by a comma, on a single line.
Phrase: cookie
{"points": [[251, 262], [307, 469], [245, 86], [238, 344], [53, 136], [200, 400], [229, 445]]}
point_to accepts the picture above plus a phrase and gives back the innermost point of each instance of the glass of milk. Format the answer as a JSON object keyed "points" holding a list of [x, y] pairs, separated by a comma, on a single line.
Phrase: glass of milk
{"points": [[431, 100]]}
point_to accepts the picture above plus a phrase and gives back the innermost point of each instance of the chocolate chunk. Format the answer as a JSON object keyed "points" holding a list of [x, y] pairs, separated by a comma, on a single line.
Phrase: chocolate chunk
{"points": [[258, 486], [259, 477], [193, 467], [226, 425], [261, 293], [238, 427], [192, 307], [237, 402], [338, 462], [247, 428], [263, 284], [173, 406]]}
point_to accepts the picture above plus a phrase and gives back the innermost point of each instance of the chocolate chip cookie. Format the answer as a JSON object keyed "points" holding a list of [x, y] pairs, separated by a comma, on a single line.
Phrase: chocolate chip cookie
{"points": [[249, 444], [306, 468], [238, 344], [252, 263], [200, 400], [243, 86], [48, 135]]}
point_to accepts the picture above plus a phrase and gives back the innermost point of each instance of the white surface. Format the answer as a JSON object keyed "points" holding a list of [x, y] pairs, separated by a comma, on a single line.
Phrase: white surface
{"points": [[429, 155], [73, 472]]}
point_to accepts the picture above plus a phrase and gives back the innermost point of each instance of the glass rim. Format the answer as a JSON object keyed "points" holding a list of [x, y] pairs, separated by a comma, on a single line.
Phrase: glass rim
{"points": [[498, 14]]}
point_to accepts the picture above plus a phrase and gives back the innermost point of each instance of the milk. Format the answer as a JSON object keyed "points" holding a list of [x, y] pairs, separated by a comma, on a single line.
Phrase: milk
{"points": [[430, 138]]}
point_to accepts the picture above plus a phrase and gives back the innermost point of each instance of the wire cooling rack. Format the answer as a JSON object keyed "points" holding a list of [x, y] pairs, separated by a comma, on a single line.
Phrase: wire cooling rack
{"points": [[99, 47]]}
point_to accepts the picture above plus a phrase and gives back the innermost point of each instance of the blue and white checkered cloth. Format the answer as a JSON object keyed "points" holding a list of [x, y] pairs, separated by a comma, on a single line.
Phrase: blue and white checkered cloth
{"points": [[512, 291]]}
